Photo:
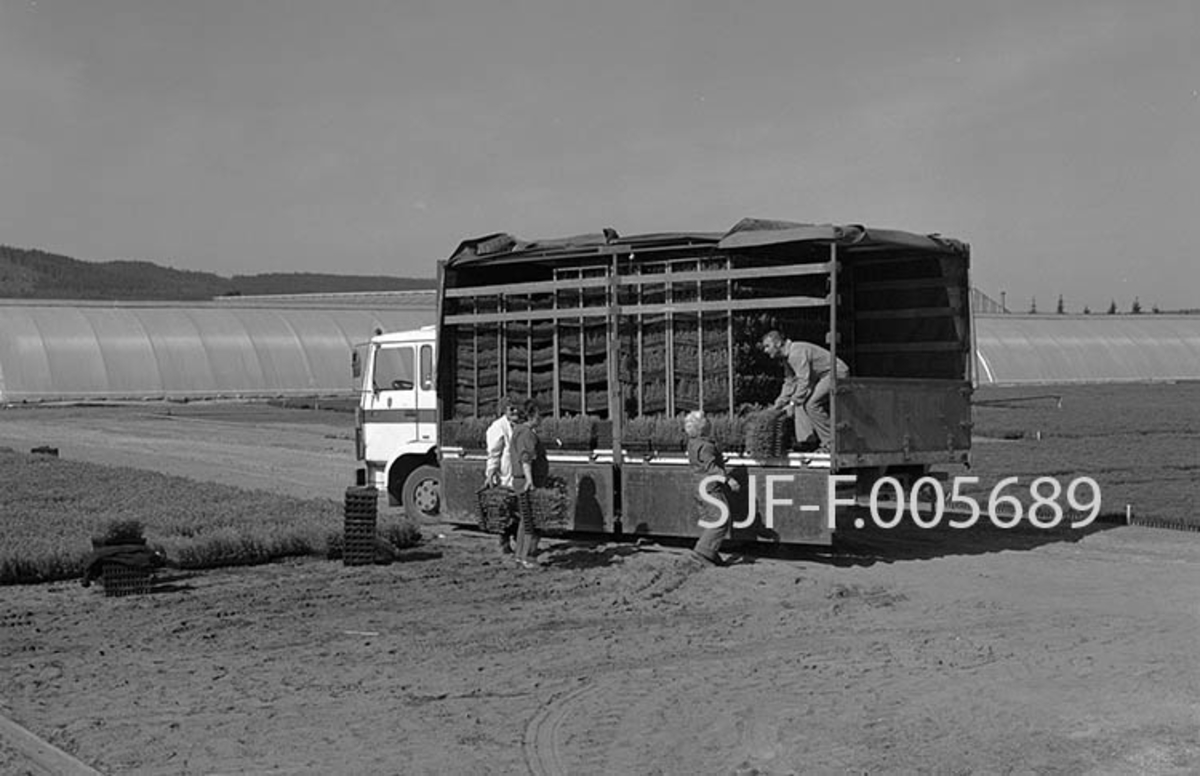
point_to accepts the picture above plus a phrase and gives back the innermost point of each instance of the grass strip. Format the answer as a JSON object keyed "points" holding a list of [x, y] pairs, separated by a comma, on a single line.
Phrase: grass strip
{"points": [[50, 509]]}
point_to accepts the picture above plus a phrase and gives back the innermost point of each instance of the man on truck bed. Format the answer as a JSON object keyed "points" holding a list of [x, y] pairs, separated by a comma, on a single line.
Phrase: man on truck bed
{"points": [[806, 385]]}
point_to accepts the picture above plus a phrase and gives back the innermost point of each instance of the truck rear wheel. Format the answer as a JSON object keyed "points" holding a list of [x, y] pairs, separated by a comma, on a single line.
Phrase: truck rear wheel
{"points": [[422, 493]]}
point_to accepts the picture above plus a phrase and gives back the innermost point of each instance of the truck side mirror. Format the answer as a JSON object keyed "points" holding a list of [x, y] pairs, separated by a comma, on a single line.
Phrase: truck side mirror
{"points": [[355, 364]]}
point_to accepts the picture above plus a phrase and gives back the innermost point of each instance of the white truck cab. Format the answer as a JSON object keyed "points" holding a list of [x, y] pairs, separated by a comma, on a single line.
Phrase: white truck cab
{"points": [[396, 418]]}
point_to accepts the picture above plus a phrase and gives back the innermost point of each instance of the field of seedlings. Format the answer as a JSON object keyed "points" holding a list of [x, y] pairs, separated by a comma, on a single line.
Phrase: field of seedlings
{"points": [[54, 508], [1140, 443], [947, 651]]}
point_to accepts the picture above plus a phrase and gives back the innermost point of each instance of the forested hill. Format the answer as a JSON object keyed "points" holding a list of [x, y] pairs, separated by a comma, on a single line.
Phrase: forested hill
{"points": [[34, 274]]}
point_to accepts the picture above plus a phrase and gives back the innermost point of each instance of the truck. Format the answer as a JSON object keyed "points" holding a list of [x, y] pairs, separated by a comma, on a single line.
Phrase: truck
{"points": [[395, 419], [617, 338]]}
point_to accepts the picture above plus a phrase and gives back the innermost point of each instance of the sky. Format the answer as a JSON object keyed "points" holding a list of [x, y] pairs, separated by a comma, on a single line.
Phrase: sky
{"points": [[1060, 139]]}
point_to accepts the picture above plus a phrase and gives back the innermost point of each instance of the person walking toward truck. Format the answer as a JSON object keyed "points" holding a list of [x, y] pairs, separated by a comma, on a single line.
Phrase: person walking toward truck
{"points": [[807, 382], [706, 462]]}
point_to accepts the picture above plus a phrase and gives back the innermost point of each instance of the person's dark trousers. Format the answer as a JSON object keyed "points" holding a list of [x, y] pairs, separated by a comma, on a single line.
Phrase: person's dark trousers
{"points": [[711, 539], [507, 536]]}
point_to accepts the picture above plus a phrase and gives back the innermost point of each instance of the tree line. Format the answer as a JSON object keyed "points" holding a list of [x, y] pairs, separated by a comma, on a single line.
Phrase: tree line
{"points": [[1135, 308], [35, 274]]}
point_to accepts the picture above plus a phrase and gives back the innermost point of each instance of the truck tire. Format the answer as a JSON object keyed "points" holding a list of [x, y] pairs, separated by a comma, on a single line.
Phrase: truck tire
{"points": [[422, 493]]}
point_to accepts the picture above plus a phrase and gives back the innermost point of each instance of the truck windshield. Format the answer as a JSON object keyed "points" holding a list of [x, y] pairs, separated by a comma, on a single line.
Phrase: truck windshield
{"points": [[394, 368]]}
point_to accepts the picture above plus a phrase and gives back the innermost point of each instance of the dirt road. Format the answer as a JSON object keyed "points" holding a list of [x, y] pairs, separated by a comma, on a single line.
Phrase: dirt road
{"points": [[999, 652], [304, 453]]}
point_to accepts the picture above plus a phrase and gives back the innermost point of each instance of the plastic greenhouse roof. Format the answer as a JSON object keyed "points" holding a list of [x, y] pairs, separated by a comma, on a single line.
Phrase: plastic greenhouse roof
{"points": [[68, 350], [1015, 349]]}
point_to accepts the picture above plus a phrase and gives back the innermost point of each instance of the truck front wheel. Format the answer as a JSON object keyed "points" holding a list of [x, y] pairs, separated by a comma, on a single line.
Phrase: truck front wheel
{"points": [[422, 493]]}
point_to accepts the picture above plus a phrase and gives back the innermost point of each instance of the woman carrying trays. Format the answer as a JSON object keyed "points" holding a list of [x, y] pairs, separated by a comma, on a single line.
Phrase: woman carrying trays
{"points": [[530, 455]]}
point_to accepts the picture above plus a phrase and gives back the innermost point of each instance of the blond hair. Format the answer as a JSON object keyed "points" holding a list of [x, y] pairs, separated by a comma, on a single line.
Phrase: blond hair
{"points": [[695, 423]]}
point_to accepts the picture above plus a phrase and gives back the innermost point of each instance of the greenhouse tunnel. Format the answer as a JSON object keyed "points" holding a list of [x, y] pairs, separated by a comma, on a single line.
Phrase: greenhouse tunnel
{"points": [[64, 351], [1032, 349], [51, 351]]}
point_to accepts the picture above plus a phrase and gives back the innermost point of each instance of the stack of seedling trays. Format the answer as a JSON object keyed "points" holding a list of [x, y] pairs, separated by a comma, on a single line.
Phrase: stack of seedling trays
{"points": [[766, 434], [498, 508], [358, 545], [546, 509]]}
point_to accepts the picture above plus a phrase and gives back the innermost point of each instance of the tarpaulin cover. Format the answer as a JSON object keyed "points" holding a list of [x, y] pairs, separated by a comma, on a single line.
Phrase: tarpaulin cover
{"points": [[748, 233]]}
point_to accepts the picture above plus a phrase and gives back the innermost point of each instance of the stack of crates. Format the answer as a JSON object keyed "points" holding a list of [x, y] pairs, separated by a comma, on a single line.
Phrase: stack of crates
{"points": [[120, 579], [358, 545]]}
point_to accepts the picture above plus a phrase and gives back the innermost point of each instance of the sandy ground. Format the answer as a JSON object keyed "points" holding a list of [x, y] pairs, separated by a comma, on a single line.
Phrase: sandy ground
{"points": [[994, 652]]}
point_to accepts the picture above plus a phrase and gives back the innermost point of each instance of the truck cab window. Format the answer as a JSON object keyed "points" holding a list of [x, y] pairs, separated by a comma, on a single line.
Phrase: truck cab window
{"points": [[394, 369], [426, 368]]}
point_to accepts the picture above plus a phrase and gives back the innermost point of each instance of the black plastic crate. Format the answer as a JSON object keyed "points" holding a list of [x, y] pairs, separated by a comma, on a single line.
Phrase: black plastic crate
{"points": [[358, 541], [120, 579]]}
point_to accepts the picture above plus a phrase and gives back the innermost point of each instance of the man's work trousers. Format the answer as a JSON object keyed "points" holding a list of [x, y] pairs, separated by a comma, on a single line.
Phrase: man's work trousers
{"points": [[813, 417]]}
